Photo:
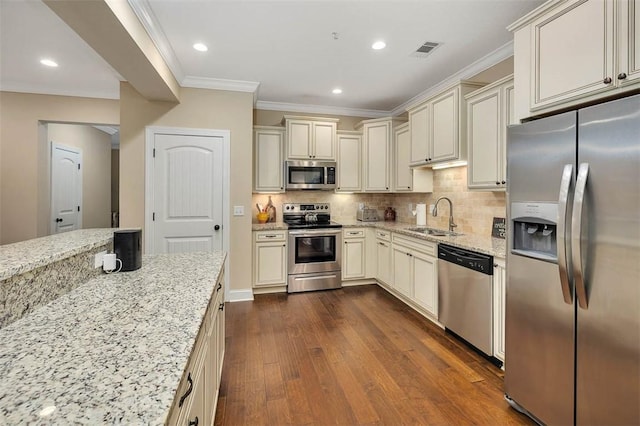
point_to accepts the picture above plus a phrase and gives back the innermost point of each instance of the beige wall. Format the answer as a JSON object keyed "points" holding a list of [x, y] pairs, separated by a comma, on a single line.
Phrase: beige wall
{"points": [[198, 108], [96, 169], [24, 154]]}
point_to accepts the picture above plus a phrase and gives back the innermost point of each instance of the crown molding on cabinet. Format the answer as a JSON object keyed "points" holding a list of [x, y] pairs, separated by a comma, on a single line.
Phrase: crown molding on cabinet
{"points": [[320, 109], [478, 66]]}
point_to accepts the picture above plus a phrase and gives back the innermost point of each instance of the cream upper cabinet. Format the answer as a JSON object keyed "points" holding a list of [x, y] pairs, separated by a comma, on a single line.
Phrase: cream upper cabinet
{"points": [[489, 111], [438, 126], [310, 138], [268, 145], [568, 52], [402, 179], [419, 132], [349, 162], [377, 141]]}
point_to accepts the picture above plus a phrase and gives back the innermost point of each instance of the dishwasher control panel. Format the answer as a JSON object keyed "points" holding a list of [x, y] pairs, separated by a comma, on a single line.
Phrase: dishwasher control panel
{"points": [[469, 259]]}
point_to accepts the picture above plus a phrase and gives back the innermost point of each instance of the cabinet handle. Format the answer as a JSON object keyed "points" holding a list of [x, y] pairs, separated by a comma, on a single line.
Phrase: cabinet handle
{"points": [[219, 287], [622, 76], [607, 80], [270, 236], [188, 392], [495, 265], [382, 244], [221, 307], [497, 183], [193, 422], [504, 182]]}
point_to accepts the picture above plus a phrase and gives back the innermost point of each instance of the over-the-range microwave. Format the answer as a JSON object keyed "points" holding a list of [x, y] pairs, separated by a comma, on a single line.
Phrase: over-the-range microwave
{"points": [[310, 175]]}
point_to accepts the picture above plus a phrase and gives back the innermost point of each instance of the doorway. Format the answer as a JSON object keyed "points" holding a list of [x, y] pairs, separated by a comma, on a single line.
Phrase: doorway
{"points": [[66, 188]]}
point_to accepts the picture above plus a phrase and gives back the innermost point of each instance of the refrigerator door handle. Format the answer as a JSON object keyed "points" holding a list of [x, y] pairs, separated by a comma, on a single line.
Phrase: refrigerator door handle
{"points": [[576, 235], [564, 249]]}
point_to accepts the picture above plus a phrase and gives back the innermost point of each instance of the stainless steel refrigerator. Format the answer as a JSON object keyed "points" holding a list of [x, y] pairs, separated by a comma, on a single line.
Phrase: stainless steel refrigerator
{"points": [[573, 266]]}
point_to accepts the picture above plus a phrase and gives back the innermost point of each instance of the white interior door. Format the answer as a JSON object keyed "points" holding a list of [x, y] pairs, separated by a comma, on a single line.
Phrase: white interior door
{"points": [[187, 193], [66, 189]]}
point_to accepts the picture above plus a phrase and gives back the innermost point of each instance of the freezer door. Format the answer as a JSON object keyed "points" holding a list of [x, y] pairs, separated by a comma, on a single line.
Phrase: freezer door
{"points": [[608, 333], [539, 364]]}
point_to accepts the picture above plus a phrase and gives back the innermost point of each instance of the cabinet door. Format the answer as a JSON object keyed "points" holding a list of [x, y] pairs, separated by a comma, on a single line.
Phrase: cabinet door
{"points": [[211, 370], [629, 41], [499, 303], [299, 134], [270, 264], [353, 259], [349, 163], [573, 52], [268, 161], [445, 127], [402, 174], [402, 270], [508, 118], [220, 347], [377, 138], [484, 136], [419, 129], [425, 282], [383, 257], [198, 406], [324, 141]]}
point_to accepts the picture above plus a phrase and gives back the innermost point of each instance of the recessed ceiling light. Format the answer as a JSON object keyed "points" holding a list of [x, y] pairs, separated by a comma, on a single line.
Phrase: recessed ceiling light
{"points": [[336, 91], [48, 62], [200, 47], [378, 45]]}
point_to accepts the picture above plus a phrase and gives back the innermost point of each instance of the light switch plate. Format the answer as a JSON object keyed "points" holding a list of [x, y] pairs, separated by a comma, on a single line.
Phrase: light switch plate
{"points": [[98, 259], [238, 210]]}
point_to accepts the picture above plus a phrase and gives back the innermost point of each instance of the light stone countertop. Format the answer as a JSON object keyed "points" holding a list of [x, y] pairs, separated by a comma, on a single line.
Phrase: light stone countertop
{"points": [[483, 244], [111, 351], [25, 256]]}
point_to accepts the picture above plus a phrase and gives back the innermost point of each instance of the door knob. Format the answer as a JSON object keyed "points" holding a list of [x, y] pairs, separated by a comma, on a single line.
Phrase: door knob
{"points": [[217, 227]]}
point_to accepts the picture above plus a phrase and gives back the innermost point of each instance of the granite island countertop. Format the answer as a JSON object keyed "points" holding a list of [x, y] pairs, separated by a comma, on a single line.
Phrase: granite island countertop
{"points": [[24, 256], [480, 243], [113, 350]]}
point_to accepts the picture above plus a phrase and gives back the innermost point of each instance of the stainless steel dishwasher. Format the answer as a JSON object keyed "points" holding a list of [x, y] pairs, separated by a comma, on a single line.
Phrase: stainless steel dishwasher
{"points": [[465, 295]]}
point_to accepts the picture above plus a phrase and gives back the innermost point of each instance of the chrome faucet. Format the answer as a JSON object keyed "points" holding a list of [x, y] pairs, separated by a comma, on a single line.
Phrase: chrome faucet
{"points": [[435, 212]]}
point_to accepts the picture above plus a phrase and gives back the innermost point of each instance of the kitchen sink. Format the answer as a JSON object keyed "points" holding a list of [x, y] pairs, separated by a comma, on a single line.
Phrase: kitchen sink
{"points": [[434, 232]]}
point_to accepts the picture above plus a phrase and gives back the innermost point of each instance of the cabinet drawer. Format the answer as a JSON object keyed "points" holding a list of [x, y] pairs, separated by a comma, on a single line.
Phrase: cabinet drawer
{"points": [[353, 233], [270, 236], [425, 247], [383, 235]]}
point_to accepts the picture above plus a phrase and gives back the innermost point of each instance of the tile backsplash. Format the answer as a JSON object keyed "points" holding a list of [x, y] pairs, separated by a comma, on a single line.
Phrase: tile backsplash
{"points": [[473, 210]]}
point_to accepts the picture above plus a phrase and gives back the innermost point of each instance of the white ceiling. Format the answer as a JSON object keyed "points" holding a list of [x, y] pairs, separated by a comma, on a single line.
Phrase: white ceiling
{"points": [[287, 47]]}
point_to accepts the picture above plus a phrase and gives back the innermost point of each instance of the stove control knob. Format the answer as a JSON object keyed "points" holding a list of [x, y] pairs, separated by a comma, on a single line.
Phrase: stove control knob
{"points": [[317, 207]]}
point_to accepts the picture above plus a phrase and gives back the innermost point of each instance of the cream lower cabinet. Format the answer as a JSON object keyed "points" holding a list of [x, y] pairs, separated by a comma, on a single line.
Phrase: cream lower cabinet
{"points": [[489, 111], [499, 305], [383, 257], [353, 254], [269, 258], [197, 396], [415, 272], [575, 51]]}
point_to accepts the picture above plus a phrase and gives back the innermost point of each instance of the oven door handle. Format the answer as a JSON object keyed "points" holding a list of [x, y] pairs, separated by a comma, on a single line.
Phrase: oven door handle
{"points": [[307, 233]]}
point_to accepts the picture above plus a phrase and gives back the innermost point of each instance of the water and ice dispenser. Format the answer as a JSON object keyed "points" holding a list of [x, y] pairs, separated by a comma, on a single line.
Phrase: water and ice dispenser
{"points": [[534, 227]]}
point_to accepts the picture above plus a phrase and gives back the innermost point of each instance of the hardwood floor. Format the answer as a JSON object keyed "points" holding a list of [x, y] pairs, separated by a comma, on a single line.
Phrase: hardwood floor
{"points": [[353, 356]]}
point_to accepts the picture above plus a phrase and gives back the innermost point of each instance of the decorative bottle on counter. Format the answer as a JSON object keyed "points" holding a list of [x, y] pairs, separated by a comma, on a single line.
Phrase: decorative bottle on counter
{"points": [[271, 209], [390, 214]]}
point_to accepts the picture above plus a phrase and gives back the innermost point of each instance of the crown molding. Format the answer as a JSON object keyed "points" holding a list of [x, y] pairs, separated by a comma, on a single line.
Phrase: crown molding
{"points": [[498, 55], [222, 84], [145, 15], [320, 109], [45, 90]]}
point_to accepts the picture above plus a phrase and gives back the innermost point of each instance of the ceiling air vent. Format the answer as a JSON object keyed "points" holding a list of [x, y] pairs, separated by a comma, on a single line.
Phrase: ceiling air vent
{"points": [[426, 48]]}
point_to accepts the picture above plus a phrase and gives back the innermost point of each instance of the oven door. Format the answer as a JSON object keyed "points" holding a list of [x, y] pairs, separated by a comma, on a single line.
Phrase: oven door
{"points": [[318, 250]]}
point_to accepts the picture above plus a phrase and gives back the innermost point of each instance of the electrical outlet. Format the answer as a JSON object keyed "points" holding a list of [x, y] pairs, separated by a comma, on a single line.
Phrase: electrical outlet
{"points": [[360, 206], [97, 263], [431, 206], [410, 207], [238, 210]]}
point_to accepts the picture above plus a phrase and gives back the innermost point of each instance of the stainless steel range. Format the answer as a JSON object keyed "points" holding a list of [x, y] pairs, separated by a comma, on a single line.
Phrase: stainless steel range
{"points": [[315, 247]]}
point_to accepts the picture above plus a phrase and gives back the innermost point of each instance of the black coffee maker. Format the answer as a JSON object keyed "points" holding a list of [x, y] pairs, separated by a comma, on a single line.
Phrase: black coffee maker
{"points": [[127, 245]]}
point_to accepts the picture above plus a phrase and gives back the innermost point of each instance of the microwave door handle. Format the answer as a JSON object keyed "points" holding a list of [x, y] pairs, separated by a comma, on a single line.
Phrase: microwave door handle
{"points": [[564, 249], [576, 236]]}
